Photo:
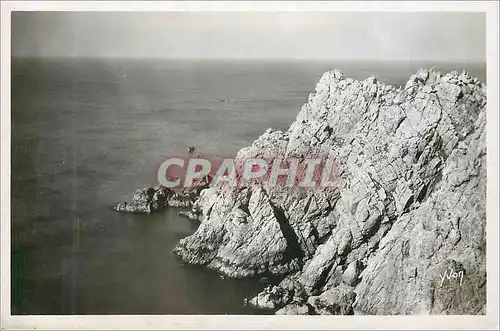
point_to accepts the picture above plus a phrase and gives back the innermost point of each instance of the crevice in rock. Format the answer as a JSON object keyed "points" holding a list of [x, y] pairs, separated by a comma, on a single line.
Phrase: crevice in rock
{"points": [[294, 249]]}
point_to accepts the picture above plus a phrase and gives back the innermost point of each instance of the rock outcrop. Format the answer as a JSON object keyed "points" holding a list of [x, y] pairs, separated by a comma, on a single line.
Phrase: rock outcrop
{"points": [[147, 200], [155, 199], [408, 208], [272, 297]]}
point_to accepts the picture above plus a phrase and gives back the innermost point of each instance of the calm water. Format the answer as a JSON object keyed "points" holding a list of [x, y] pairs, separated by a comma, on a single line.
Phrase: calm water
{"points": [[88, 133]]}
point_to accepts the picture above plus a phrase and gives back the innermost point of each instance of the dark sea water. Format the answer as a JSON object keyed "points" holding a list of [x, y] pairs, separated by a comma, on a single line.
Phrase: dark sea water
{"points": [[87, 133]]}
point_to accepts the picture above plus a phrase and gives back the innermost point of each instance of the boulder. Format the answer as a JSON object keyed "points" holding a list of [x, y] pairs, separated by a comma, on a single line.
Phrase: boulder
{"points": [[272, 297]]}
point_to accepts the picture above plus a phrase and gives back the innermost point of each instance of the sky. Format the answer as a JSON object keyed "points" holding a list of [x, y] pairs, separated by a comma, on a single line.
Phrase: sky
{"points": [[283, 35]]}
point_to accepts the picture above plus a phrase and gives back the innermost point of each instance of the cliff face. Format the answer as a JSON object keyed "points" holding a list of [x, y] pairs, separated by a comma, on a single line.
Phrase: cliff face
{"points": [[404, 230]]}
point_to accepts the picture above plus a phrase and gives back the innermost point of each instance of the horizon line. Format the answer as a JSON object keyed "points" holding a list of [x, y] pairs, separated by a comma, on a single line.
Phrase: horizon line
{"points": [[483, 61]]}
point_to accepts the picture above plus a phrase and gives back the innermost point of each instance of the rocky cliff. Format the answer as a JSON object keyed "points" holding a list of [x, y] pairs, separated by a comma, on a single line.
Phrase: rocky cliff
{"points": [[403, 232]]}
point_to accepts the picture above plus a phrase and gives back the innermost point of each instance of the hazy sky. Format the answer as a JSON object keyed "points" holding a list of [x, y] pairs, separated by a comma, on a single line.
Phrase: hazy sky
{"points": [[328, 35]]}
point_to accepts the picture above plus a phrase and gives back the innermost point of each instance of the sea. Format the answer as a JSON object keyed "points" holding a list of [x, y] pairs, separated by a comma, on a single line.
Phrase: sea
{"points": [[87, 133]]}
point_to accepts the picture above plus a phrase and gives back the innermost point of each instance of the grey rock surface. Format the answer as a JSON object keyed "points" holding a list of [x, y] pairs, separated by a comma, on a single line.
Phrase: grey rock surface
{"points": [[294, 308], [271, 297], [335, 301], [191, 214], [155, 199], [147, 200], [408, 205]]}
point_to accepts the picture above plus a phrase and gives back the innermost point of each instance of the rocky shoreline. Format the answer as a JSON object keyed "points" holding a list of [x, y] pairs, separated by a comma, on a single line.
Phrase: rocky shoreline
{"points": [[152, 199], [409, 206]]}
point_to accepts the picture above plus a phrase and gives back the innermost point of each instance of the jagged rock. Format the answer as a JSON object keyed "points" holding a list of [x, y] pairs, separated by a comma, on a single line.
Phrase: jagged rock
{"points": [[410, 196], [147, 200], [256, 245], [198, 186], [450, 224], [335, 301], [181, 200], [351, 274], [191, 214], [326, 225], [294, 308], [154, 199], [271, 298]]}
